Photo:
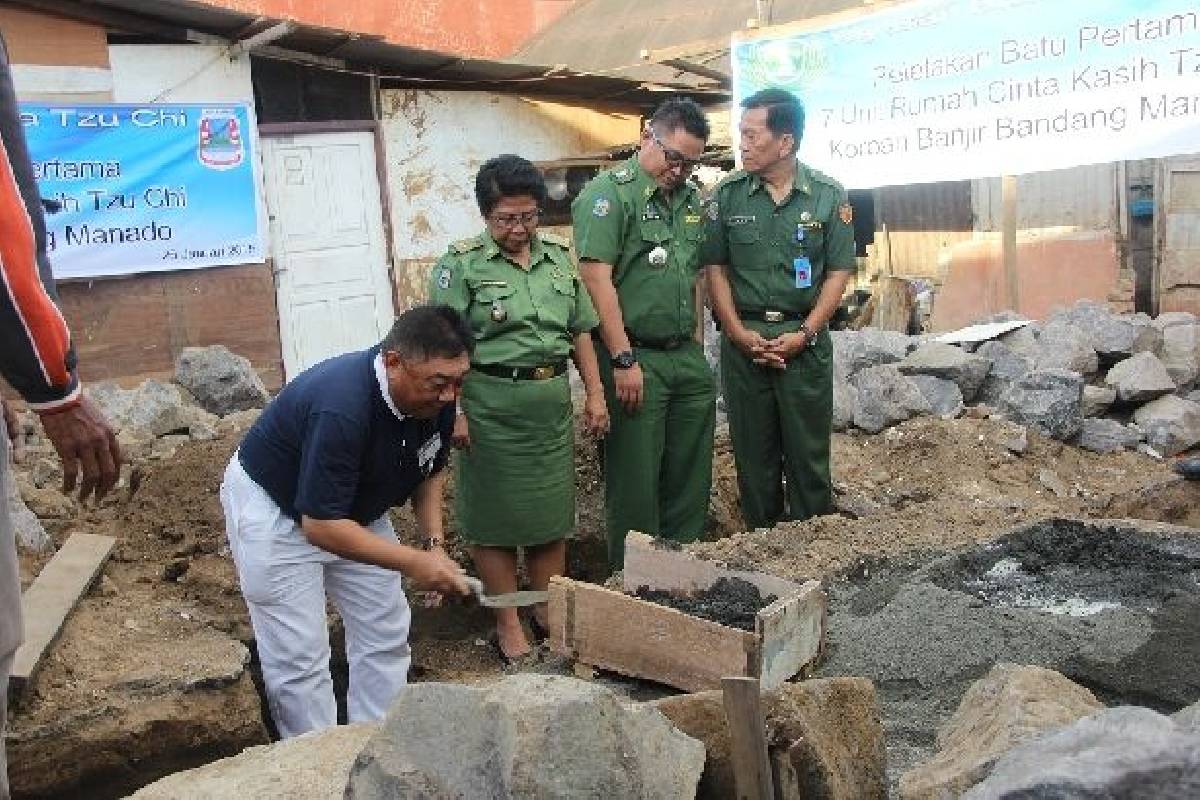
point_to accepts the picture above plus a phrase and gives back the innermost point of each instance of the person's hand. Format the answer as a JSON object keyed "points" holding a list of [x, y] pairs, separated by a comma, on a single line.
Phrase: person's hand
{"points": [[756, 348], [629, 384], [433, 570], [595, 415], [16, 433], [461, 436], [788, 345], [85, 442]]}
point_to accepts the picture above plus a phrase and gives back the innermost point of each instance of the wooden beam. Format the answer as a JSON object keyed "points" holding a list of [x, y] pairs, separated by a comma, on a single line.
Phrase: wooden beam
{"points": [[721, 79], [1008, 243], [264, 38], [51, 598], [747, 739], [689, 50]]}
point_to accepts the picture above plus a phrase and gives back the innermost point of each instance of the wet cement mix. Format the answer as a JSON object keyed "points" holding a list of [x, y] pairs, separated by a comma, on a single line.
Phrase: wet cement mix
{"points": [[730, 601]]}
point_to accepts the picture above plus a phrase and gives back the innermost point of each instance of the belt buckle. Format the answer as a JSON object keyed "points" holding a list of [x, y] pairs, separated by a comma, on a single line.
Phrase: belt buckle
{"points": [[543, 373], [773, 316]]}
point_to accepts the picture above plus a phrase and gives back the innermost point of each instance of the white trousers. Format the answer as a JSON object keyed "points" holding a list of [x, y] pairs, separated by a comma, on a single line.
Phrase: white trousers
{"points": [[284, 579]]}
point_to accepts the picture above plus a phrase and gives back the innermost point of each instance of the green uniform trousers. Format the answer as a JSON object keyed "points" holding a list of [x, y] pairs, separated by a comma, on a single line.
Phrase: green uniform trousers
{"points": [[781, 422], [658, 462]]}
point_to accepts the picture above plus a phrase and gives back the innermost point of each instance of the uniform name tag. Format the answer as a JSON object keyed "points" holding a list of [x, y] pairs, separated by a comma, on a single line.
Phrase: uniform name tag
{"points": [[803, 272], [741, 219], [429, 451]]}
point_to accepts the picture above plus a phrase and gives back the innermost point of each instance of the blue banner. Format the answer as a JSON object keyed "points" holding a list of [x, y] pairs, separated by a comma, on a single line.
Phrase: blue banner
{"points": [[146, 188], [934, 90]]}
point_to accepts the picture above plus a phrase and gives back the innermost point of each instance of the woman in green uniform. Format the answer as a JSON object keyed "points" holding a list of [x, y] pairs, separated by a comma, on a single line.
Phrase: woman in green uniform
{"points": [[515, 478]]}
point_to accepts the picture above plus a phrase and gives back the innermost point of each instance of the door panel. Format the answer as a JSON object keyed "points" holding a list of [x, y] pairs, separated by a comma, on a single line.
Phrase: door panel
{"points": [[327, 245]]}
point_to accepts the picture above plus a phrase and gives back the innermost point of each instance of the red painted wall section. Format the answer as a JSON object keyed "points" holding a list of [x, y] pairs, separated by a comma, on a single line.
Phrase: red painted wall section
{"points": [[480, 28]]}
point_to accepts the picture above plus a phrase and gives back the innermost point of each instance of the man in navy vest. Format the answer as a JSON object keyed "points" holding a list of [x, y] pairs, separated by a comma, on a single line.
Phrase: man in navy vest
{"points": [[306, 501]]}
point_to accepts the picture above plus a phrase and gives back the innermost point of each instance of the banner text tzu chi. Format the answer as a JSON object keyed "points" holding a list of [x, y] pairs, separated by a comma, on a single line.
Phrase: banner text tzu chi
{"points": [[936, 90], [145, 188]]}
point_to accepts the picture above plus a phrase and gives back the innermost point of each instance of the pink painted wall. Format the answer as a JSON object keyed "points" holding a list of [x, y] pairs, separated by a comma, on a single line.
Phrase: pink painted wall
{"points": [[1051, 271], [482, 28]]}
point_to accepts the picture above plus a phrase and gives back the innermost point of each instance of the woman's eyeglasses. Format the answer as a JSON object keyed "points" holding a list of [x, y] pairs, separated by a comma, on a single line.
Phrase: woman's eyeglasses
{"points": [[513, 220]]}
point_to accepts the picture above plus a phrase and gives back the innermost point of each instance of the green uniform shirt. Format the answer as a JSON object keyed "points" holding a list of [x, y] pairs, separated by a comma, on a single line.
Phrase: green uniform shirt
{"points": [[652, 243], [760, 241], [521, 318]]}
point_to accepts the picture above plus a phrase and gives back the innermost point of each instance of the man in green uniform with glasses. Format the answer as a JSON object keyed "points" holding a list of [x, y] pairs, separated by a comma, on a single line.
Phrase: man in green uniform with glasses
{"points": [[780, 249], [638, 230]]}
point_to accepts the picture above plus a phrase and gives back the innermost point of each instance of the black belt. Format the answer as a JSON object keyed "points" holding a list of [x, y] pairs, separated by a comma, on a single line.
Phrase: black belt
{"points": [[674, 343], [542, 373], [772, 316]]}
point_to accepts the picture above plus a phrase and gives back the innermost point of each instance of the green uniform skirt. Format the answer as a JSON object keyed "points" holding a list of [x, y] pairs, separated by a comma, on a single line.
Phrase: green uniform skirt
{"points": [[516, 485]]}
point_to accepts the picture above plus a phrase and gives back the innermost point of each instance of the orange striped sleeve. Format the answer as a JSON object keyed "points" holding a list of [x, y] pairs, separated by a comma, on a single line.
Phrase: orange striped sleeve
{"points": [[43, 324]]}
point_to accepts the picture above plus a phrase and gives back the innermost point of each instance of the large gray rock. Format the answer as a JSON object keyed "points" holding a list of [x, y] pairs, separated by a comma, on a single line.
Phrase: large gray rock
{"points": [[1022, 340], [527, 736], [1107, 436], [886, 397], [1188, 718], [1097, 400], [854, 351], [1007, 707], [313, 767], [1171, 424], [1181, 353], [151, 410], [220, 380], [27, 528], [825, 738], [1050, 401], [950, 363], [1124, 753], [945, 398], [1062, 346], [1172, 318], [1008, 365], [1112, 336], [845, 398], [1139, 379]]}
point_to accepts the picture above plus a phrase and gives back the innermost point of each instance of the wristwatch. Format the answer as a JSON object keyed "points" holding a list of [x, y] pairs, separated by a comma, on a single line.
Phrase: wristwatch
{"points": [[430, 542], [624, 360]]}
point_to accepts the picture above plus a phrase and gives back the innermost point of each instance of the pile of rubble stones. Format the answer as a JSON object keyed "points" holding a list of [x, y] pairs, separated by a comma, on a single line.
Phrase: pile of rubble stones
{"points": [[1100, 380]]}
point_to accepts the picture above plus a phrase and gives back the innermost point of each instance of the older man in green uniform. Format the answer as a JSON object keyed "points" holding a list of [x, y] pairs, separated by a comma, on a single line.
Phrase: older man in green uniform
{"points": [[780, 250], [638, 230]]}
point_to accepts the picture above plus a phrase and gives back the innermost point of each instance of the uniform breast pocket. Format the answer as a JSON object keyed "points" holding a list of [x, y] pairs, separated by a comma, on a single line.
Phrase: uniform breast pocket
{"points": [[559, 303], [813, 244], [745, 247], [493, 306]]}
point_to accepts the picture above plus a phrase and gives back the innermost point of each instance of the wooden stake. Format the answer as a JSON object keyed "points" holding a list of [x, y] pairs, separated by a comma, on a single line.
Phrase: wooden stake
{"points": [[748, 739], [1008, 240]]}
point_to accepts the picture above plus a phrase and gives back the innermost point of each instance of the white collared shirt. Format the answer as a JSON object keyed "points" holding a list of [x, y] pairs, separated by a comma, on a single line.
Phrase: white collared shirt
{"points": [[381, 377]]}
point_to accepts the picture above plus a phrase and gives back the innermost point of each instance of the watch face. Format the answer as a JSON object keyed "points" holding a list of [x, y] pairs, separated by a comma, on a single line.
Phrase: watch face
{"points": [[623, 360]]}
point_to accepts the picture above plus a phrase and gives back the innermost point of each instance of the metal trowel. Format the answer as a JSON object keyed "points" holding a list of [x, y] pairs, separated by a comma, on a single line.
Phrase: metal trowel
{"points": [[509, 600]]}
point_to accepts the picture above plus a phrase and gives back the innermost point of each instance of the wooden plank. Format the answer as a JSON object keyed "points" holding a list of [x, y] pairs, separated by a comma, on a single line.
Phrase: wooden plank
{"points": [[894, 305], [53, 596], [1008, 237], [680, 572], [791, 632], [623, 634], [747, 739]]}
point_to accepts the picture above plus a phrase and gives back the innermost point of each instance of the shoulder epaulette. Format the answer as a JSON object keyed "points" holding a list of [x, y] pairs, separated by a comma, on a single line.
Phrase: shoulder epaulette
{"points": [[467, 245], [821, 177], [554, 238], [731, 178], [623, 174]]}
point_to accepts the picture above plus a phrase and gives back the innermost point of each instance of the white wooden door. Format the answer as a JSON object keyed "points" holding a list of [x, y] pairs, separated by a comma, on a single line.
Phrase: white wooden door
{"points": [[327, 245], [1178, 221]]}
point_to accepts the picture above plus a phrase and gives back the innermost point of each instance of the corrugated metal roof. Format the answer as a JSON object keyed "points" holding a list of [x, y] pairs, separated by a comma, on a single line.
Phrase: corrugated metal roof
{"points": [[396, 64], [609, 35]]}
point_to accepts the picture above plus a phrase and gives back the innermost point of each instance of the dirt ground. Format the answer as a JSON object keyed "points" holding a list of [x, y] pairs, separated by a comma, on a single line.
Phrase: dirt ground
{"points": [[927, 485]]}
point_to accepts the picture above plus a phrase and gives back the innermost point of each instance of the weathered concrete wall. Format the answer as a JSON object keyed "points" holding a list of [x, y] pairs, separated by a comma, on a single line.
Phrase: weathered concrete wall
{"points": [[144, 73], [487, 28], [435, 143]]}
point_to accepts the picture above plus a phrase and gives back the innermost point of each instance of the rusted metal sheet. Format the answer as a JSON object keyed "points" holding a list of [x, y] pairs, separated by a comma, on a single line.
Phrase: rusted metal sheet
{"points": [[1080, 198]]}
